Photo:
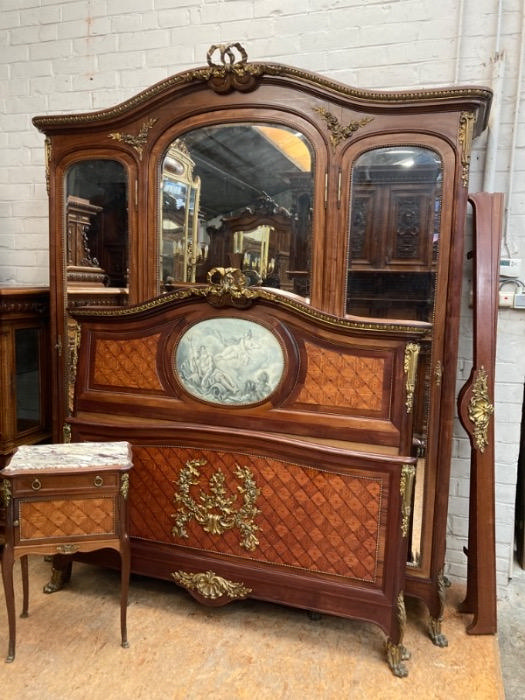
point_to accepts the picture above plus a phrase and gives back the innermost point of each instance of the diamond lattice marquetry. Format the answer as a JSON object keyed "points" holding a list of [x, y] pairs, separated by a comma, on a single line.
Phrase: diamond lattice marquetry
{"points": [[127, 363], [335, 379], [67, 518], [309, 519]]}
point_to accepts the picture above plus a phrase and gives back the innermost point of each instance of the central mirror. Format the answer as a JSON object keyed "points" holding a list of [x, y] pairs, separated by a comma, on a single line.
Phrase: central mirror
{"points": [[237, 195]]}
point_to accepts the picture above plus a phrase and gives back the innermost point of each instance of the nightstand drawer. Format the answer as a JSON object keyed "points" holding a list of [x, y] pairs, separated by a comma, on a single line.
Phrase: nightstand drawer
{"points": [[57, 518], [30, 484]]}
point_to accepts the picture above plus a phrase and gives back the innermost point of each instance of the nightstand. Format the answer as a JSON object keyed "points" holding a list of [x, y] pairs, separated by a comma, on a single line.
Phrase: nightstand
{"points": [[63, 499]]}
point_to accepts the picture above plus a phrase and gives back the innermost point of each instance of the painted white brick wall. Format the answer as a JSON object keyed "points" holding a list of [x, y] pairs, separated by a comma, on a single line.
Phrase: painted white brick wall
{"points": [[83, 55]]}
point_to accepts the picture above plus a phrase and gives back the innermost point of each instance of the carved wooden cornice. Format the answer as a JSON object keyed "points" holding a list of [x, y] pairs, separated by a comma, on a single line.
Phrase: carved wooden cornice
{"points": [[234, 72], [15, 300], [35, 307]]}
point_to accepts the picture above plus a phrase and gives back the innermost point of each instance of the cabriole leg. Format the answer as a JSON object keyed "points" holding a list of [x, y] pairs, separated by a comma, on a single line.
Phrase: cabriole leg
{"points": [[7, 576], [25, 586]]}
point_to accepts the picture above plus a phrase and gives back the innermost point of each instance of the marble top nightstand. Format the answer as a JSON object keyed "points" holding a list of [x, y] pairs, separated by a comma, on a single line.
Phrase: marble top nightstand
{"points": [[63, 499]]}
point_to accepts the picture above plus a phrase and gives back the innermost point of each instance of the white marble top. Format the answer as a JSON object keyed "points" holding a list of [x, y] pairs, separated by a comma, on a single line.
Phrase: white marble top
{"points": [[74, 455]]}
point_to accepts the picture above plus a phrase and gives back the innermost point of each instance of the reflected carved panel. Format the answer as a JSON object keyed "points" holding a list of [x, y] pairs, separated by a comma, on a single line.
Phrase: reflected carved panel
{"points": [[82, 267]]}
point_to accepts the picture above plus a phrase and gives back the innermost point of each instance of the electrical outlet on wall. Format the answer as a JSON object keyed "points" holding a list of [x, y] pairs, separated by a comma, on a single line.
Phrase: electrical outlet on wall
{"points": [[506, 298], [519, 300]]}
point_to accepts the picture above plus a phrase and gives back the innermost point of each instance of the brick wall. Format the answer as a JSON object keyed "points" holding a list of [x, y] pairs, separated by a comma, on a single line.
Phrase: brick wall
{"points": [[82, 55]]}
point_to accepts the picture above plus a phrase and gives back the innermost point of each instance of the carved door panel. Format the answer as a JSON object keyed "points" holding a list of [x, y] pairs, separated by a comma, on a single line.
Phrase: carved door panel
{"points": [[392, 224], [410, 213], [365, 245]]}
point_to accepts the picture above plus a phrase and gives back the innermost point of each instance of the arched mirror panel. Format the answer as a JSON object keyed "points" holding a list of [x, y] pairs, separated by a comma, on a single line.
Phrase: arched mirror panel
{"points": [[395, 219], [237, 195], [96, 226], [393, 245], [96, 249]]}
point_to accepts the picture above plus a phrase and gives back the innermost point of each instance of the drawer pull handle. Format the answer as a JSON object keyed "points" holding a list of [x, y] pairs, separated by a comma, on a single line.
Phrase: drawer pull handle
{"points": [[98, 481], [36, 485]]}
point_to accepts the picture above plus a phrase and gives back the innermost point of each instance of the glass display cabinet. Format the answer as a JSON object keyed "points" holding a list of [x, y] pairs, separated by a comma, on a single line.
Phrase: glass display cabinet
{"points": [[24, 343], [333, 217]]}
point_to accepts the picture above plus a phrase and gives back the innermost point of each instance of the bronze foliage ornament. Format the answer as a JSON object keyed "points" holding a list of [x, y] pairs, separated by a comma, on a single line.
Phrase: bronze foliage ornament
{"points": [[438, 373], [5, 493], [480, 409], [124, 486], [73, 342], [137, 142], [408, 474], [215, 510], [67, 548], [211, 586], [228, 286], [339, 132], [466, 133], [48, 150], [410, 368], [397, 653]]}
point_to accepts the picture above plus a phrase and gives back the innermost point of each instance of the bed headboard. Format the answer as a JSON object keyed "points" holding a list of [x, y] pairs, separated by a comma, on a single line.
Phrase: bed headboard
{"points": [[229, 355]]}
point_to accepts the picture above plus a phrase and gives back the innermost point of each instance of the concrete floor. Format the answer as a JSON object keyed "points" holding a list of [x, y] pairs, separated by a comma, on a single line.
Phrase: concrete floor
{"points": [[69, 649], [511, 636]]}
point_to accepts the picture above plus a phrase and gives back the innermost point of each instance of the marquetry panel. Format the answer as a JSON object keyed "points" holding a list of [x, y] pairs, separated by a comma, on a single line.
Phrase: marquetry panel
{"points": [[127, 363], [330, 523], [66, 518], [353, 382]]}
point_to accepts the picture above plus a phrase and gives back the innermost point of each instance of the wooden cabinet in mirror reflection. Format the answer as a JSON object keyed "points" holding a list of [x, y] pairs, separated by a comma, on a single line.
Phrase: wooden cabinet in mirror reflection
{"points": [[25, 416]]}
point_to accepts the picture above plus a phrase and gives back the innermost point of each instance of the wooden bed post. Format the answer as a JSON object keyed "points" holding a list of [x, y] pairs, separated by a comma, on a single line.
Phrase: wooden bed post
{"points": [[476, 409]]}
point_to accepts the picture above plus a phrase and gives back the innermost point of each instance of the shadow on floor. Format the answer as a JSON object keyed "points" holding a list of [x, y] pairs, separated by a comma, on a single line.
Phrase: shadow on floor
{"points": [[69, 649]]}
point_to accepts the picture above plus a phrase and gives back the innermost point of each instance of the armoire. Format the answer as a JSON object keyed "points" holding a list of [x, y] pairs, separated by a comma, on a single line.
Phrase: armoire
{"points": [[256, 277]]}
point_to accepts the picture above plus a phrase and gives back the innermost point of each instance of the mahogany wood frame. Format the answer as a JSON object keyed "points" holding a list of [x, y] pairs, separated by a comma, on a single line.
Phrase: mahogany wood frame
{"points": [[476, 408], [340, 123]]}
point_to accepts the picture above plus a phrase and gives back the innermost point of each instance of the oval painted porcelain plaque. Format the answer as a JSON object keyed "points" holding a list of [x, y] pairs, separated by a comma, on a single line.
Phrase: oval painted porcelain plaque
{"points": [[229, 361]]}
